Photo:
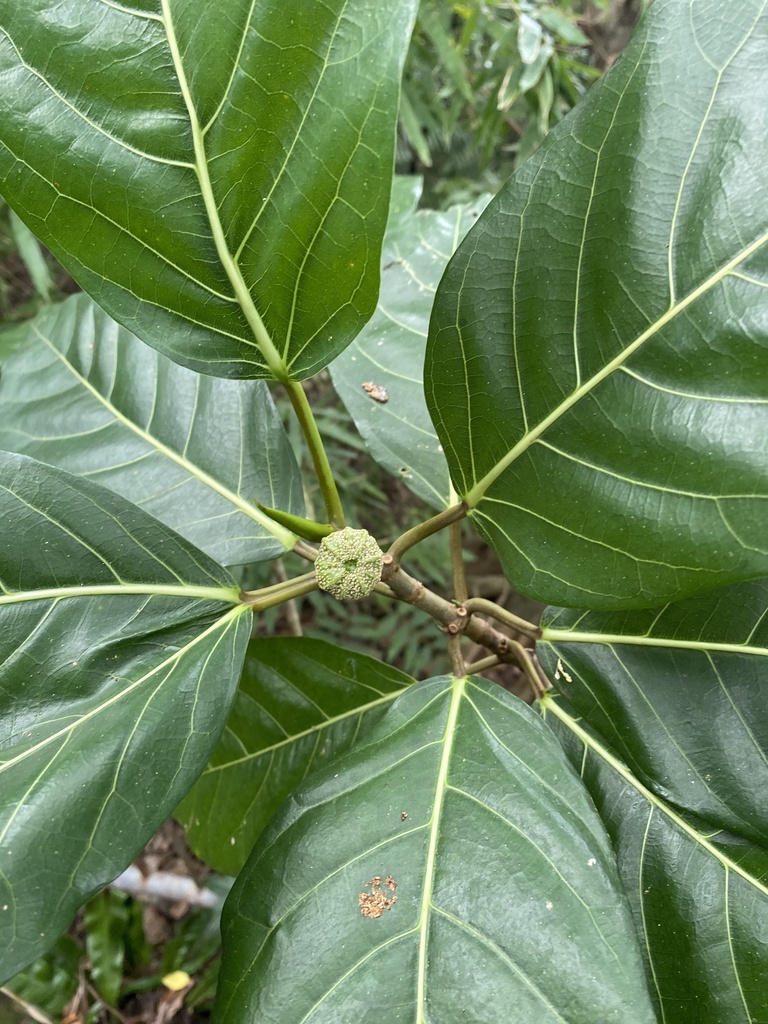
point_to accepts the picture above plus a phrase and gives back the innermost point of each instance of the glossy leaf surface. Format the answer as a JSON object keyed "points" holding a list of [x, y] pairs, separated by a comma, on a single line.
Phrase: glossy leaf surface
{"points": [[389, 351], [300, 702], [197, 173], [120, 650], [462, 806], [86, 395], [663, 713], [597, 366]]}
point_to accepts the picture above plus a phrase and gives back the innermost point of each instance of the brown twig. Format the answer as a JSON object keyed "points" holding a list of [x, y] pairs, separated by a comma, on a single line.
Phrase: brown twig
{"points": [[29, 1008], [397, 584], [460, 594], [107, 1006], [457, 659], [458, 621]]}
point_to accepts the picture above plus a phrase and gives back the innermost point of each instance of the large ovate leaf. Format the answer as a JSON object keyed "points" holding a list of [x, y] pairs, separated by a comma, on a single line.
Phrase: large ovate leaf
{"points": [[300, 702], [389, 351], [597, 366], [120, 651], [217, 179], [459, 804], [86, 395], [663, 713]]}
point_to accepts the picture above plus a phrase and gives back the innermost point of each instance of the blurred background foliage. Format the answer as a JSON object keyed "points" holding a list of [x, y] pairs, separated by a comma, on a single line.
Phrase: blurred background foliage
{"points": [[485, 81]]}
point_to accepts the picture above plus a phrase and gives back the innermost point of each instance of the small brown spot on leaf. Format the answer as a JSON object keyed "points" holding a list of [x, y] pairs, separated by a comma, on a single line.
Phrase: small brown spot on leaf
{"points": [[374, 901], [403, 815]]}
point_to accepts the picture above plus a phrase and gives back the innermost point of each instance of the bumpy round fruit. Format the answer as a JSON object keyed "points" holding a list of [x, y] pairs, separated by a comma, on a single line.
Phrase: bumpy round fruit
{"points": [[348, 564]]}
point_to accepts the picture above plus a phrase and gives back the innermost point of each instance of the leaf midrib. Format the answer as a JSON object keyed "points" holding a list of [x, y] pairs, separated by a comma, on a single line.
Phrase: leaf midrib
{"points": [[549, 705], [549, 635], [264, 342], [230, 595], [357, 712], [286, 538], [441, 786], [476, 493], [231, 616]]}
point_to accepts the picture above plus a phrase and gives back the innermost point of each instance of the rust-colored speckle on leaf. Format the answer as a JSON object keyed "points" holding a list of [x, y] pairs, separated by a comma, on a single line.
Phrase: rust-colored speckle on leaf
{"points": [[375, 902]]}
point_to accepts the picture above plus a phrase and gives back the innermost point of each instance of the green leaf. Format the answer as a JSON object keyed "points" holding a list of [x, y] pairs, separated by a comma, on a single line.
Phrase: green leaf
{"points": [[597, 365], [32, 255], [389, 352], [411, 127], [300, 703], [87, 396], [106, 919], [528, 38], [535, 69], [406, 194], [120, 650], [11, 337], [51, 981], [559, 23], [197, 173], [506, 885], [663, 713], [435, 20], [198, 937]]}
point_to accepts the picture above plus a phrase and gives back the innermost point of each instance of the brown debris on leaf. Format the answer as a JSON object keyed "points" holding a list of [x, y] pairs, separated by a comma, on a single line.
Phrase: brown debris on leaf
{"points": [[375, 902], [376, 392]]}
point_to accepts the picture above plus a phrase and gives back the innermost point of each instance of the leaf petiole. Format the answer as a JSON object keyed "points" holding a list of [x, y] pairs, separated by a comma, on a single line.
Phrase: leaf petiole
{"points": [[457, 563], [279, 593], [317, 450], [484, 607], [418, 533]]}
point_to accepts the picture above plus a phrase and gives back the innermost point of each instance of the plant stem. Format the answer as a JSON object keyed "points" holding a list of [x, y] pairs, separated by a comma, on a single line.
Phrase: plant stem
{"points": [[457, 658], [275, 588], [526, 660], [259, 600], [419, 533], [456, 620], [481, 665], [457, 564], [479, 604], [291, 609], [32, 1011], [305, 550], [306, 419], [459, 595]]}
